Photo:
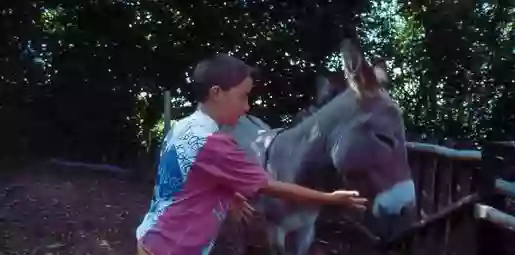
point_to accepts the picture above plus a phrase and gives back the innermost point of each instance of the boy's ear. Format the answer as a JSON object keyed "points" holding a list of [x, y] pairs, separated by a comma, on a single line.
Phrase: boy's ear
{"points": [[214, 92]]}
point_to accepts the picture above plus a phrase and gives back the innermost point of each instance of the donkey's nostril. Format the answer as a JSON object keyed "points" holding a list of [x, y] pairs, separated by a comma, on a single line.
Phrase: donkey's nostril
{"points": [[386, 140]]}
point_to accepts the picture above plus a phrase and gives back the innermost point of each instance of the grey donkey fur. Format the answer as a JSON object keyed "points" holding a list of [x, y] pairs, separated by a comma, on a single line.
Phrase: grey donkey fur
{"points": [[359, 135]]}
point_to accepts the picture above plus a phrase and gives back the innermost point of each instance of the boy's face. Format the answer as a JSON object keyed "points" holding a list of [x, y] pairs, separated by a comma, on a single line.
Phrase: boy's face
{"points": [[230, 105]]}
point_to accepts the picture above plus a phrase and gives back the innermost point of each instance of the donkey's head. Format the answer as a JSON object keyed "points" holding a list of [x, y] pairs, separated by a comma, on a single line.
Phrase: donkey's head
{"points": [[366, 141]]}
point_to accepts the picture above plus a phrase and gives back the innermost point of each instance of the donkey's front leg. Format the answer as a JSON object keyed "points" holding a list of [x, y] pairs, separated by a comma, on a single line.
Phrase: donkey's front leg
{"points": [[306, 234], [305, 237], [277, 240]]}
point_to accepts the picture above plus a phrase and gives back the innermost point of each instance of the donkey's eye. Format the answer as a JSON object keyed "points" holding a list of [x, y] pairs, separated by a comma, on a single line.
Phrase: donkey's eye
{"points": [[386, 140]]}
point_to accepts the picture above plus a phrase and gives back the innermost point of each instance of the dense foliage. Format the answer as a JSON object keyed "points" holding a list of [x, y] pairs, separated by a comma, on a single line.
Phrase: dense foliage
{"points": [[84, 79]]}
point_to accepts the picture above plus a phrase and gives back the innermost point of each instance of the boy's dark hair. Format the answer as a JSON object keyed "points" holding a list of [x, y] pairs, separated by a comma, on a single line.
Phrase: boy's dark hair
{"points": [[221, 70]]}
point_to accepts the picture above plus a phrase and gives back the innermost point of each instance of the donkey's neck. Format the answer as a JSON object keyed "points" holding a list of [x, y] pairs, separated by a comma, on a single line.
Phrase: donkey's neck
{"points": [[302, 154], [298, 153]]}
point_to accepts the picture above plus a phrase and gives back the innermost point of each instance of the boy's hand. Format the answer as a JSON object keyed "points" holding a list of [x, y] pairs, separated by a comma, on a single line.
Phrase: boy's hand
{"points": [[241, 209], [349, 198], [296, 193]]}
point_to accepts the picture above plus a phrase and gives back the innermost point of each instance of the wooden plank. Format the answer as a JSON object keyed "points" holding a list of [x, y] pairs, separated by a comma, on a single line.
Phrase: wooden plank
{"points": [[465, 155], [444, 183], [444, 186], [494, 216], [505, 187], [428, 185], [418, 246], [415, 162], [441, 236], [429, 201], [462, 240], [462, 180]]}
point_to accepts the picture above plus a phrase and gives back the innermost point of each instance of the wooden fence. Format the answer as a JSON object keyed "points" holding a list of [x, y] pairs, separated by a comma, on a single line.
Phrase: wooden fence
{"points": [[463, 197]]}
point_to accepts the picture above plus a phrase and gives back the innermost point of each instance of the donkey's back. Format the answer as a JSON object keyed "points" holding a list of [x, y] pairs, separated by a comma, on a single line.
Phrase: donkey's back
{"points": [[251, 135]]}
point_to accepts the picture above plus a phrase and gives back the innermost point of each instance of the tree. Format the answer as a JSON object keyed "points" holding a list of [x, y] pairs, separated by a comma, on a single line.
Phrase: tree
{"points": [[84, 79]]}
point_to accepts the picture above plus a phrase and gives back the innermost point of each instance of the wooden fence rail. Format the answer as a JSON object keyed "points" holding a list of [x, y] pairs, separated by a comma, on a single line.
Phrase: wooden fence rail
{"points": [[454, 191]]}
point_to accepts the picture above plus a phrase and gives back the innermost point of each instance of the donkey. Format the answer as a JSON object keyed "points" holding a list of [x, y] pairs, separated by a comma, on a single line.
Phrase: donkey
{"points": [[359, 134]]}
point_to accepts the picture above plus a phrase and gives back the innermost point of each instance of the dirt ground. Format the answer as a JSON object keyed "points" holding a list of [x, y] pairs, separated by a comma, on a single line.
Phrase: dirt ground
{"points": [[64, 212], [48, 210]]}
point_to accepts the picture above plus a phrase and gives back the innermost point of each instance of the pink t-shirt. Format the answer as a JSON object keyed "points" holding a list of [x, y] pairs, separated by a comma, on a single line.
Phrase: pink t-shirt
{"points": [[199, 172]]}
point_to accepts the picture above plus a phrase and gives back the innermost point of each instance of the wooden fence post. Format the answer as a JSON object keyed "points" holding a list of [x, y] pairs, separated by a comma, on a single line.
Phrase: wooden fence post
{"points": [[498, 158], [167, 106]]}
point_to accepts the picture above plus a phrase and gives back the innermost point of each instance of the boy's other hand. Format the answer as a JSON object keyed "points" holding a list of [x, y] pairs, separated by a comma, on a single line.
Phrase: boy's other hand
{"points": [[241, 209]]}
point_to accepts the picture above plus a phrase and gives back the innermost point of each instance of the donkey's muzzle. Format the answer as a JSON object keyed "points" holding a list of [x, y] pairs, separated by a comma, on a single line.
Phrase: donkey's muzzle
{"points": [[393, 201], [390, 227]]}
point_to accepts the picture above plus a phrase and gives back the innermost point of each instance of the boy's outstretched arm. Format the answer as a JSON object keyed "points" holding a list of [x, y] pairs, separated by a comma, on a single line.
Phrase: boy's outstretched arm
{"points": [[293, 192]]}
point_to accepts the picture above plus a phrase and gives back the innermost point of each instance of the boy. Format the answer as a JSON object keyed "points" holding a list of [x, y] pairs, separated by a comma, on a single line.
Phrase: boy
{"points": [[202, 171]]}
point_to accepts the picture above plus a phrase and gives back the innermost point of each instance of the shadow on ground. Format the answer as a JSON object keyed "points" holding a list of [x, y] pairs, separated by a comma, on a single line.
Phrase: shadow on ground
{"points": [[54, 210]]}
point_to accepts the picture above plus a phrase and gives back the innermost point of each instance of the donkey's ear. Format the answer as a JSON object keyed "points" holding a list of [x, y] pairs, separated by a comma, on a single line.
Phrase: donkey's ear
{"points": [[380, 72], [323, 88], [361, 76], [351, 56], [355, 67]]}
